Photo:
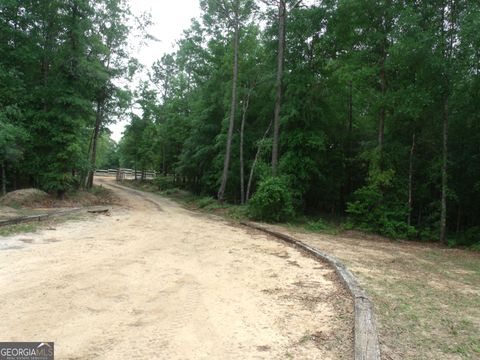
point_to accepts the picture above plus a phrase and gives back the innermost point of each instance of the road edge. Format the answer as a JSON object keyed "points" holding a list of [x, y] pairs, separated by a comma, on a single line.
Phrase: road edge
{"points": [[40, 217], [366, 343]]}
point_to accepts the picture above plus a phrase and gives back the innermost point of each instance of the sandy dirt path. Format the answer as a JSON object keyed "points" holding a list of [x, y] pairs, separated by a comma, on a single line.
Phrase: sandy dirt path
{"points": [[156, 281]]}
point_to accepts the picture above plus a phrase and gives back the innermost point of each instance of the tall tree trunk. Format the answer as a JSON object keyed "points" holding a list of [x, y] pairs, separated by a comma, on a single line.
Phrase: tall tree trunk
{"points": [[447, 56], [233, 110], [386, 28], [443, 213], [282, 14], [349, 138], [93, 153], [255, 160], [383, 87], [246, 101], [4, 179], [410, 181]]}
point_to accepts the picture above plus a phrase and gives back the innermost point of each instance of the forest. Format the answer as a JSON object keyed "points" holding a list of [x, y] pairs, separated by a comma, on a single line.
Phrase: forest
{"points": [[363, 110]]}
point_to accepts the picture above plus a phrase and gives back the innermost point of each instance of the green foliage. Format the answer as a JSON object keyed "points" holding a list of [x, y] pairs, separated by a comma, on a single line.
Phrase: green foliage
{"points": [[57, 62], [316, 226], [377, 208], [60, 62], [12, 141], [206, 201], [171, 191], [339, 51], [19, 228], [472, 236], [54, 180], [272, 201], [476, 246], [107, 153], [163, 183], [100, 191]]}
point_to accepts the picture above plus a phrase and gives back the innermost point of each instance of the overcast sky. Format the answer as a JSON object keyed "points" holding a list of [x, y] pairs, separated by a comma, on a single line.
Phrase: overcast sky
{"points": [[170, 18]]}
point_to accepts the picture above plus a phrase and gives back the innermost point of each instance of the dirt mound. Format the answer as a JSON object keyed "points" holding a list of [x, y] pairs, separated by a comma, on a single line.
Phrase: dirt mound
{"points": [[97, 196], [24, 197], [38, 199], [7, 212]]}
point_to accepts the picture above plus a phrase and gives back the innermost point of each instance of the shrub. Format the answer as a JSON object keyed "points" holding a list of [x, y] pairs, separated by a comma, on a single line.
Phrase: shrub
{"points": [[272, 201], [316, 226], [205, 201], [171, 191], [472, 236], [376, 207], [163, 183]]}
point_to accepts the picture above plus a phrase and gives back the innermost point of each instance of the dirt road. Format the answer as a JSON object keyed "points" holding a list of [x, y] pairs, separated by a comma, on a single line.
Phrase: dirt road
{"points": [[156, 281]]}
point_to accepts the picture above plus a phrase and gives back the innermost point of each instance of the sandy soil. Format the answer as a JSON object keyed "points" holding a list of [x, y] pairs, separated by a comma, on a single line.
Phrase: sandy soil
{"points": [[154, 280]]}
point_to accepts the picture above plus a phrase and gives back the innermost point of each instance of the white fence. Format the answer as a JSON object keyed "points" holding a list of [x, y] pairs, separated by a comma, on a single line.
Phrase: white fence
{"points": [[125, 174]]}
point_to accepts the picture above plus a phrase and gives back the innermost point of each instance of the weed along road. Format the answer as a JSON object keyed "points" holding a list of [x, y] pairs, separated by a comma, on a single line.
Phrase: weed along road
{"points": [[156, 281]]}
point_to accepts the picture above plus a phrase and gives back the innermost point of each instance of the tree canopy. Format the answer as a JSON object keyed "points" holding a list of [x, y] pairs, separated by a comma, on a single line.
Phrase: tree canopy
{"points": [[379, 118], [58, 60]]}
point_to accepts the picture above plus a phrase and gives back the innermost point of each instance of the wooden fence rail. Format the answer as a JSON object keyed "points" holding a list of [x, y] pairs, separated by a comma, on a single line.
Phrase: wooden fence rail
{"points": [[126, 174]]}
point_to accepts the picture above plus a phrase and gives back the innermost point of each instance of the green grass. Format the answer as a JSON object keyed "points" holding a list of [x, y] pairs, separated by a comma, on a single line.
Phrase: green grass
{"points": [[425, 303], [36, 225], [316, 224], [18, 228], [206, 202]]}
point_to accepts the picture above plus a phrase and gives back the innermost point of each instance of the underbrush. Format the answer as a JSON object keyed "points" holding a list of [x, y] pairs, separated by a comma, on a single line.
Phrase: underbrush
{"points": [[272, 203], [206, 204]]}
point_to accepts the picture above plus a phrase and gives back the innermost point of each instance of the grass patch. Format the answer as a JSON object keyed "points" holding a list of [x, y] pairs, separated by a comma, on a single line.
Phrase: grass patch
{"points": [[18, 228], [426, 297], [33, 226], [206, 202], [316, 224]]}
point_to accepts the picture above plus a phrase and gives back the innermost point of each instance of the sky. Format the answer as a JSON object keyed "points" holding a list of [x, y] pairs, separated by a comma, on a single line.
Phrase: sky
{"points": [[170, 18]]}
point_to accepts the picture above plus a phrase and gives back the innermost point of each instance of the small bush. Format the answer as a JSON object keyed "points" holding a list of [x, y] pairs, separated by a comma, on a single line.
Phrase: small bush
{"points": [[272, 201], [377, 207], [99, 191], [206, 201], [163, 183], [171, 191], [472, 236], [316, 226], [238, 212]]}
